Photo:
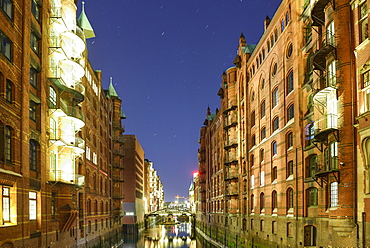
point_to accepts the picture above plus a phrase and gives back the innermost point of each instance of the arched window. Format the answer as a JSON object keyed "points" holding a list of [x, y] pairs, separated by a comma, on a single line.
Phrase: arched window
{"points": [[253, 140], [309, 235], [290, 82], [312, 197], [262, 201], [263, 109], [274, 148], [263, 133], [289, 198], [290, 112], [289, 169], [274, 200], [8, 143], [275, 124], [252, 202], [289, 140], [9, 91]]}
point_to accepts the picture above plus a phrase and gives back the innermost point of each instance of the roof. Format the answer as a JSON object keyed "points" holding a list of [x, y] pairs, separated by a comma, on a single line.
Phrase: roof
{"points": [[84, 23], [249, 48]]}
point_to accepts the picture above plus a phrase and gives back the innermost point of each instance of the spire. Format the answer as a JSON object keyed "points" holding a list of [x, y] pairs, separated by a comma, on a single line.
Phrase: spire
{"points": [[84, 23], [112, 91], [267, 22]]}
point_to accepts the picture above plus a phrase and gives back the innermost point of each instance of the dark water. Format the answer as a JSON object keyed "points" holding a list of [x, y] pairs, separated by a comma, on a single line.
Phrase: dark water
{"points": [[165, 236]]}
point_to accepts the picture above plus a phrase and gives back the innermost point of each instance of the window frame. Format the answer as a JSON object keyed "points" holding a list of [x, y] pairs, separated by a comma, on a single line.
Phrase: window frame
{"points": [[35, 42], [334, 194], [9, 91], [32, 205], [35, 10], [8, 12], [290, 112], [263, 109], [275, 123], [275, 97], [33, 111], [33, 155], [6, 204], [290, 82], [8, 145]]}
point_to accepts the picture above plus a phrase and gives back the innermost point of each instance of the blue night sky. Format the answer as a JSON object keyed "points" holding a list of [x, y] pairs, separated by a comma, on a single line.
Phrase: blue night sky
{"points": [[166, 58]]}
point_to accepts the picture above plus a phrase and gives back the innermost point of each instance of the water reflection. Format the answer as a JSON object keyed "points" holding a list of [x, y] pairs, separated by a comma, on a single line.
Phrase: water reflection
{"points": [[163, 236]]}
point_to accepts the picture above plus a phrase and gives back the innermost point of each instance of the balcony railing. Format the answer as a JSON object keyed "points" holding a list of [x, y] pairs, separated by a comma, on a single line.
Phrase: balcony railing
{"points": [[324, 47], [119, 152], [66, 177], [325, 125], [61, 138], [119, 139], [233, 142], [317, 12], [118, 165], [118, 178]]}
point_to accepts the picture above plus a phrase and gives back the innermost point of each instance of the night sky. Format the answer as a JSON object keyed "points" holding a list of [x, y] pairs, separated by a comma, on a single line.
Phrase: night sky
{"points": [[166, 58]]}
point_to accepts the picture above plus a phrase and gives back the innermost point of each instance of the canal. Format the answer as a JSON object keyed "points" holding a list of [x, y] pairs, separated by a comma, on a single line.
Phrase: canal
{"points": [[163, 236]]}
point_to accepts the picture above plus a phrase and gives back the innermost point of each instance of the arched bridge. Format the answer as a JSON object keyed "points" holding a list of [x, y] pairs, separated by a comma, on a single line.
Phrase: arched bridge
{"points": [[169, 216]]}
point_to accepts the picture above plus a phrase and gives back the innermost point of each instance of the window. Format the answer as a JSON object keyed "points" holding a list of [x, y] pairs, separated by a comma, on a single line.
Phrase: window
{"points": [[289, 229], [262, 201], [262, 83], [290, 82], [9, 91], [33, 114], [35, 42], [287, 18], [35, 9], [331, 156], [275, 97], [310, 133], [312, 165], [6, 204], [312, 197], [262, 225], [290, 113], [289, 51], [253, 140], [282, 25], [289, 168], [52, 97], [363, 22], [274, 227], [276, 35], [33, 155], [330, 34], [263, 109], [332, 74], [53, 196], [262, 178], [334, 194], [309, 235], [252, 202], [274, 173], [7, 7], [308, 33], [252, 160], [274, 70], [33, 205], [262, 155], [289, 140], [275, 124], [274, 148], [274, 200], [365, 79], [8, 144], [253, 118], [290, 198], [263, 133], [89, 227], [268, 46], [33, 77]]}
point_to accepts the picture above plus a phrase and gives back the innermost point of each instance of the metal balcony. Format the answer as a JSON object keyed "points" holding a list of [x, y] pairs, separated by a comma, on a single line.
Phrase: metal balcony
{"points": [[317, 12], [231, 143], [118, 165], [324, 126], [68, 140], [319, 57], [231, 175], [62, 176], [119, 152], [118, 179], [119, 139]]}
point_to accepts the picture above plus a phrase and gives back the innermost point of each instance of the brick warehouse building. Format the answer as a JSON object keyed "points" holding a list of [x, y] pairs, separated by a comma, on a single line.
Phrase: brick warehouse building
{"points": [[60, 166], [284, 162]]}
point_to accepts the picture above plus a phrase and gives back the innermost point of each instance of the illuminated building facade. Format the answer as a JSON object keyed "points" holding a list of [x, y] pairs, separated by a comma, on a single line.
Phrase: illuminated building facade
{"points": [[281, 162], [155, 194], [134, 182], [59, 175]]}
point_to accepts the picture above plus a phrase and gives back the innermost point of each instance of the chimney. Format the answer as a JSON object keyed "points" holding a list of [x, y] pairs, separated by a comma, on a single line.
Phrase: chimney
{"points": [[267, 22]]}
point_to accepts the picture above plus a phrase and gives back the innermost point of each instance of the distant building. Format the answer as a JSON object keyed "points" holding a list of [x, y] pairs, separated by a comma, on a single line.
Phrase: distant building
{"points": [[156, 194], [133, 186], [285, 159]]}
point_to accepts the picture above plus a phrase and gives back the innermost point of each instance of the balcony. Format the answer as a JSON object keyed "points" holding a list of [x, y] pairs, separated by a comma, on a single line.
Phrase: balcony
{"points": [[324, 126], [231, 175], [72, 44], [62, 176], [319, 57], [119, 139], [118, 179], [231, 106], [68, 140], [317, 12], [230, 121], [118, 165], [230, 159], [68, 113], [119, 152], [118, 196], [231, 143], [232, 190]]}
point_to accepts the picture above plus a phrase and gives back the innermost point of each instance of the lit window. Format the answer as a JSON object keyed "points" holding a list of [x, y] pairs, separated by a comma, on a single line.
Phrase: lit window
{"points": [[8, 144], [7, 7], [6, 204], [262, 178], [275, 97], [332, 74], [52, 97], [290, 82], [35, 42], [33, 155], [35, 9], [330, 34], [334, 194], [291, 112], [33, 106], [363, 22], [33, 77], [9, 91], [33, 205], [365, 79]]}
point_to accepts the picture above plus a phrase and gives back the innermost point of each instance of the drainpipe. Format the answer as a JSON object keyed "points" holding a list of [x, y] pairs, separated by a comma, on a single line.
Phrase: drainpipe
{"points": [[296, 198], [353, 116]]}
